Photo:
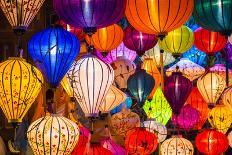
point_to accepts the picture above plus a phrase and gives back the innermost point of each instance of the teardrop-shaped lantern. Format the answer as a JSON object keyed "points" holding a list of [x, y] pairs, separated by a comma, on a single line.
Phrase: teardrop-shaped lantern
{"points": [[53, 50], [20, 84], [227, 97], [176, 90], [91, 80]]}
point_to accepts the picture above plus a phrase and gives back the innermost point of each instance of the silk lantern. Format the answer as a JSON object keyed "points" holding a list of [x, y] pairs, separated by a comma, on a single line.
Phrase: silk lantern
{"points": [[178, 40], [20, 85], [53, 50], [220, 117], [150, 67], [196, 101], [140, 85], [188, 68], [208, 41], [156, 17], [106, 38], [176, 90], [211, 86], [227, 97], [158, 108], [138, 41], [212, 142], [214, 15], [230, 138], [123, 69], [175, 145], [91, 80], [140, 141], [53, 135], [90, 14], [113, 147], [126, 104]]}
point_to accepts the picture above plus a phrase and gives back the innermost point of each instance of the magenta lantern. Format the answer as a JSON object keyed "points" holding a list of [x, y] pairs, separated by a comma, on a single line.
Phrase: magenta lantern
{"points": [[113, 147]]}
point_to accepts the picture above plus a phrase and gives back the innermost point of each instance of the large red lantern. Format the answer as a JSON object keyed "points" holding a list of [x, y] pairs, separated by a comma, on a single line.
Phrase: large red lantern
{"points": [[208, 41], [139, 141], [211, 142]]}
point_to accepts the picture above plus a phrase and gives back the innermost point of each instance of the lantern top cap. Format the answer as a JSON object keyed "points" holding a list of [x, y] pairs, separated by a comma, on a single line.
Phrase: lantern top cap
{"points": [[16, 58]]}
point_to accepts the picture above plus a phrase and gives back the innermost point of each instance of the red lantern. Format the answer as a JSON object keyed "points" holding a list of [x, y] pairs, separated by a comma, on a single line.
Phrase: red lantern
{"points": [[208, 41], [94, 149], [211, 142], [139, 141]]}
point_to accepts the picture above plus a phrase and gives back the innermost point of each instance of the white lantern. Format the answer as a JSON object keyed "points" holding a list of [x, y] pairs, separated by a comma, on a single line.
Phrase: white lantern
{"points": [[177, 146], [156, 127], [53, 135], [91, 80]]}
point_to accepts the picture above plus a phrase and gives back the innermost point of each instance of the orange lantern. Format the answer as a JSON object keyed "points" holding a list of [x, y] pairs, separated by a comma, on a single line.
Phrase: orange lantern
{"points": [[150, 67], [107, 38]]}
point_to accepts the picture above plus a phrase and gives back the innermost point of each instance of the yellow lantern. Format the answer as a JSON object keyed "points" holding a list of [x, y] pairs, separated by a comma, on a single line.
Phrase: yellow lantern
{"points": [[211, 86], [220, 117], [67, 86], [178, 40], [20, 84], [227, 97]]}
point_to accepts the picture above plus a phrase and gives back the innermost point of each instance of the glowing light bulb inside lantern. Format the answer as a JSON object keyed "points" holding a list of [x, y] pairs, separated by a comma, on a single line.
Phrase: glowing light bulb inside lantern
{"points": [[141, 38]]}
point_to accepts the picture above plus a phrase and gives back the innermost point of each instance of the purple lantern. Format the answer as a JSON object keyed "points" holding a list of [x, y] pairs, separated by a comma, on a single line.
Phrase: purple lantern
{"points": [[138, 41], [187, 118], [176, 90], [227, 52], [113, 147], [90, 14]]}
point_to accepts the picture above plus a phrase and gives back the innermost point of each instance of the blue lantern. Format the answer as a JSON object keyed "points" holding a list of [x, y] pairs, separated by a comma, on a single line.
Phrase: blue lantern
{"points": [[127, 103], [53, 50]]}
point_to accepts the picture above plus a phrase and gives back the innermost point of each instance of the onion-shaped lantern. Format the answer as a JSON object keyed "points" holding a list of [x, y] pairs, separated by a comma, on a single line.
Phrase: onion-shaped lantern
{"points": [[155, 127], [227, 97], [112, 99], [188, 68], [140, 85], [123, 69], [90, 14], [230, 138], [154, 53], [208, 41], [126, 104], [196, 101], [124, 121], [211, 86], [176, 90], [53, 50], [106, 38], [53, 135], [91, 80], [220, 117], [19, 13], [138, 41], [20, 85], [220, 69], [178, 40], [158, 17], [115, 148], [177, 145], [140, 141], [158, 108], [211, 142]]}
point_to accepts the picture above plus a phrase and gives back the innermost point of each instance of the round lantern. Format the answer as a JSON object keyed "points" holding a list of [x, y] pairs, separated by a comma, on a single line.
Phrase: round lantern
{"points": [[138, 41], [177, 145], [91, 80], [140, 141], [107, 38], [154, 53], [20, 85], [176, 90], [230, 138], [155, 127], [188, 68], [123, 69], [211, 142], [53, 50], [214, 15], [140, 85], [208, 41], [220, 117], [112, 99], [158, 108], [227, 97], [158, 17], [126, 104], [196, 101], [124, 121], [53, 135], [211, 86], [178, 40], [113, 147], [90, 14]]}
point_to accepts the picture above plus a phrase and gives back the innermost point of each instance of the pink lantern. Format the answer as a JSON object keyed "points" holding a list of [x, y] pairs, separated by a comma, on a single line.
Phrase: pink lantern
{"points": [[113, 147]]}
